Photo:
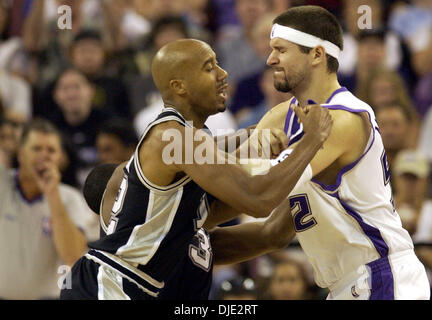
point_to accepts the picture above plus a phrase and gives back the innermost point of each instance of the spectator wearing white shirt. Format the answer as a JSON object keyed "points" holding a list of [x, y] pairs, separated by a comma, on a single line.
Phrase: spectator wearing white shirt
{"points": [[43, 223]]}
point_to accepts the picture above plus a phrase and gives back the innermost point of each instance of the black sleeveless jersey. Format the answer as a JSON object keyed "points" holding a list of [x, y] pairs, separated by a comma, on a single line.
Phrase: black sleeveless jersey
{"points": [[153, 229]]}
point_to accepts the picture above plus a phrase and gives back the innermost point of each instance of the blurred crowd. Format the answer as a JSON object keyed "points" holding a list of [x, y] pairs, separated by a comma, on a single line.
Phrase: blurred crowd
{"points": [[93, 82]]}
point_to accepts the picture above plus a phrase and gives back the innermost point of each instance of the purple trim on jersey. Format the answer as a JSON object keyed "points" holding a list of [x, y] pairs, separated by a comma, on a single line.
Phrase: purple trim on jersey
{"points": [[288, 117], [382, 287], [342, 89], [334, 187], [296, 138], [21, 193], [373, 233]]}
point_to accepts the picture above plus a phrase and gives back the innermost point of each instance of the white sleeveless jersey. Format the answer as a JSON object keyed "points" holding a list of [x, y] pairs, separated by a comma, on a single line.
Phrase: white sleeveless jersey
{"points": [[352, 222]]}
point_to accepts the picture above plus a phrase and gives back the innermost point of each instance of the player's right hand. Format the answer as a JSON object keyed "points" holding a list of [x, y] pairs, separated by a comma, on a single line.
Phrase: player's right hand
{"points": [[316, 121]]}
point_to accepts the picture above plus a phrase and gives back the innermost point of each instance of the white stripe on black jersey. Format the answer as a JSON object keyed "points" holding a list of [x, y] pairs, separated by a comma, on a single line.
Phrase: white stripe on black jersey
{"points": [[152, 226]]}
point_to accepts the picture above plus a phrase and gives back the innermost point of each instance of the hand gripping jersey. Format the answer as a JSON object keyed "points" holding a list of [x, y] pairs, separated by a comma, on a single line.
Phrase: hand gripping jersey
{"points": [[154, 228], [353, 222]]}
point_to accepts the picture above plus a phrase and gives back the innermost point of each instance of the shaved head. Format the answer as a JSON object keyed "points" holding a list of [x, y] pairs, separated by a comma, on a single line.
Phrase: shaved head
{"points": [[176, 60]]}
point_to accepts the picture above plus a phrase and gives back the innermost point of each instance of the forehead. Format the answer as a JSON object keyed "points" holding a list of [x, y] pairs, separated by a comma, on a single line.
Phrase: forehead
{"points": [[43, 138], [204, 53], [71, 76]]}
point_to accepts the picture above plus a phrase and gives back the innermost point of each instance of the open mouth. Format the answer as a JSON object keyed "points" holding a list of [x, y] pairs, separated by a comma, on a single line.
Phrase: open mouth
{"points": [[222, 92]]}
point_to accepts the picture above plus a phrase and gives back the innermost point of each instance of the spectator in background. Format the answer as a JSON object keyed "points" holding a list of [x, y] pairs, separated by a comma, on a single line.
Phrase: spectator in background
{"points": [[395, 125], [116, 141], [43, 223], [88, 55], [383, 87], [15, 92], [76, 118], [248, 93], [142, 90], [413, 22], [12, 54], [235, 52], [371, 53], [411, 170], [389, 50], [272, 98], [49, 44], [289, 281]]}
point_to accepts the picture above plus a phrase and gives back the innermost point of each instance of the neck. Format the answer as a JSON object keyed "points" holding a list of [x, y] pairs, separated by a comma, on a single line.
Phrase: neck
{"points": [[317, 88], [28, 186], [188, 113]]}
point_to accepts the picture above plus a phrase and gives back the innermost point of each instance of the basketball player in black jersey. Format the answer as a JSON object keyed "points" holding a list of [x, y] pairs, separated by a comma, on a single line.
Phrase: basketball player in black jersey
{"points": [[161, 207], [229, 245]]}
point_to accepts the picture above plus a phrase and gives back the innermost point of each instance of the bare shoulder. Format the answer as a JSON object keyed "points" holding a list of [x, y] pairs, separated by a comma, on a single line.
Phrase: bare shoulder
{"points": [[346, 122], [275, 117], [349, 130], [161, 135]]}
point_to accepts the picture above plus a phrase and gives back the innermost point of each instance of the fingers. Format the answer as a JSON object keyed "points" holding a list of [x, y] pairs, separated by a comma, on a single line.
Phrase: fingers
{"points": [[299, 113], [280, 137]]}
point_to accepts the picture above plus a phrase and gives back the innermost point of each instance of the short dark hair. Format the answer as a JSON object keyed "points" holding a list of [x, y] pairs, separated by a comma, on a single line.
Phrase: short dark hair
{"points": [[67, 69], [95, 185], [122, 129], [40, 125], [88, 34], [164, 21], [378, 34], [318, 22]]}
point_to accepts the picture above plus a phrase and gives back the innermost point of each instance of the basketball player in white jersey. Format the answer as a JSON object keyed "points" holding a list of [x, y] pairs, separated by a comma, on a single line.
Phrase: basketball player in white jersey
{"points": [[343, 215]]}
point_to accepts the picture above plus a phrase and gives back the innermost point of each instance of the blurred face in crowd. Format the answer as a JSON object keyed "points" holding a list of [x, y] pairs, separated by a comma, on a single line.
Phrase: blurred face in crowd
{"points": [[410, 186], [74, 95], [260, 36], [111, 149], [287, 282], [88, 56], [38, 150], [371, 53], [249, 11], [168, 34], [382, 91], [394, 127], [351, 15]]}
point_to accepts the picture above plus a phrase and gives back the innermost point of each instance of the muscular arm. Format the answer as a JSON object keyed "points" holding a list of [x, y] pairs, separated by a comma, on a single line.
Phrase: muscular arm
{"points": [[249, 240], [345, 144], [254, 195], [220, 213]]}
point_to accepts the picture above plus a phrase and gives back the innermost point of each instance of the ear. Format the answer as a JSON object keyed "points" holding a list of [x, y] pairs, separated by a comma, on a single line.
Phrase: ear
{"points": [[318, 56], [178, 86]]}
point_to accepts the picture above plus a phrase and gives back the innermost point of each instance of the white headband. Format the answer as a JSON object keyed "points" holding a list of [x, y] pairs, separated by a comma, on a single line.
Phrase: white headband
{"points": [[304, 39]]}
